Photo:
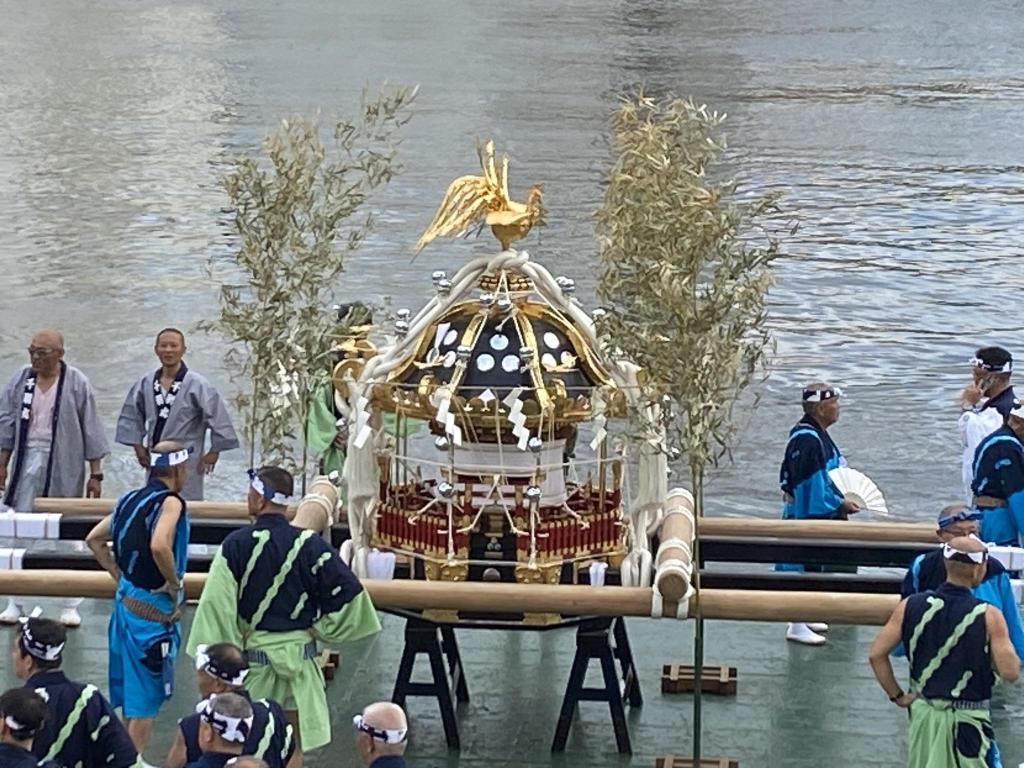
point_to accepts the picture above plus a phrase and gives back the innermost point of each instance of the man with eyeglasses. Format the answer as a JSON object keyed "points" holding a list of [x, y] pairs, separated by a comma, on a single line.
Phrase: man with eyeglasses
{"points": [[382, 733], [986, 404], [928, 571], [955, 645], [807, 490], [49, 431]]}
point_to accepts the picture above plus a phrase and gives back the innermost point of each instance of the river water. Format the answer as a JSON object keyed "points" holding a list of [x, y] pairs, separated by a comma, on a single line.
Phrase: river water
{"points": [[891, 129]]}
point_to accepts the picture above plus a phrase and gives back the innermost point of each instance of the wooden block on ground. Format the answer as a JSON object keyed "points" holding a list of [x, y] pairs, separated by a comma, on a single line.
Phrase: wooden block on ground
{"points": [[679, 678], [329, 662], [674, 761]]}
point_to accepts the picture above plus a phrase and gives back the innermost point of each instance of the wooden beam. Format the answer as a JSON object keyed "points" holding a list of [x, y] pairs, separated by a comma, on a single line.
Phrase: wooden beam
{"points": [[200, 510], [817, 529], [849, 608]]}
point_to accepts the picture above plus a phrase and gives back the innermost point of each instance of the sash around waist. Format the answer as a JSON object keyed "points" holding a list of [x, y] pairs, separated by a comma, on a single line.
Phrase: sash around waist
{"points": [[982, 706], [256, 656], [988, 502], [147, 611]]}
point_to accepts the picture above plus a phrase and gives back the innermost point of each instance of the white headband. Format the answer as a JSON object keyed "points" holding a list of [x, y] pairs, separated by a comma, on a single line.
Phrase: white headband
{"points": [[1007, 367], [172, 459], [13, 724], [33, 646], [204, 663], [819, 395], [951, 553], [234, 729], [261, 489], [386, 735]]}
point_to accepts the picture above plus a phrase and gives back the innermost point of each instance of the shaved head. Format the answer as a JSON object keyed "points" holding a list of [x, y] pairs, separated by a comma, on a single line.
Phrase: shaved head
{"points": [[45, 352], [386, 716], [48, 338], [382, 716]]}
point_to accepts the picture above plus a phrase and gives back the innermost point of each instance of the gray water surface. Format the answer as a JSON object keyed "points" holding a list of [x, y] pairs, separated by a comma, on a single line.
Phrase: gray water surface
{"points": [[891, 129]]}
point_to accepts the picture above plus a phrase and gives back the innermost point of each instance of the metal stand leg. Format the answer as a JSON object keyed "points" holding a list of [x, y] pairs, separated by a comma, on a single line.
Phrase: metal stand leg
{"points": [[593, 641]]}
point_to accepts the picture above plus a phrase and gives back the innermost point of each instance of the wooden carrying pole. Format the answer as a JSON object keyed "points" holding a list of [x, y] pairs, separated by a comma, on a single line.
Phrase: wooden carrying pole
{"points": [[318, 508], [743, 605], [674, 562], [847, 530], [200, 510], [712, 526]]}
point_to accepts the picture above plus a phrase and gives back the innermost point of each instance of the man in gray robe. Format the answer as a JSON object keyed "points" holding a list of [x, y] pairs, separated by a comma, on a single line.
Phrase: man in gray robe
{"points": [[176, 403], [49, 430]]}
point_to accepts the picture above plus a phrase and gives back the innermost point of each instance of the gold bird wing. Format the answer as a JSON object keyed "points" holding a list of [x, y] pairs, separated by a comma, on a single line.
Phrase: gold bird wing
{"points": [[465, 204]]}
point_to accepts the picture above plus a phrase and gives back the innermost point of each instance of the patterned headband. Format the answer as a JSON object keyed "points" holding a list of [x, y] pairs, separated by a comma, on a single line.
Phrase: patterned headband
{"points": [[172, 459], [235, 729], [271, 495], [1007, 367], [36, 647], [951, 553], [388, 736], [820, 395], [964, 516], [210, 667]]}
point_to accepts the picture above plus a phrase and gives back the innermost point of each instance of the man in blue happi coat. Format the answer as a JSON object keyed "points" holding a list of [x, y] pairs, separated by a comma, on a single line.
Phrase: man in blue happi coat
{"points": [[149, 530], [986, 404], [928, 571], [82, 730], [807, 490], [999, 481], [222, 668], [22, 714]]}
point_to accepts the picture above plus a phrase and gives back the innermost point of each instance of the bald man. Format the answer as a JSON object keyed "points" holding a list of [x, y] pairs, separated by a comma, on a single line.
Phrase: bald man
{"points": [[382, 733], [176, 403], [953, 641], [50, 428]]}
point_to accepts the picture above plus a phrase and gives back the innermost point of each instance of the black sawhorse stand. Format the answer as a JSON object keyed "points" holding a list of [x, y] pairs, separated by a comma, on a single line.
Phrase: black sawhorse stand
{"points": [[422, 637], [600, 638], [605, 640]]}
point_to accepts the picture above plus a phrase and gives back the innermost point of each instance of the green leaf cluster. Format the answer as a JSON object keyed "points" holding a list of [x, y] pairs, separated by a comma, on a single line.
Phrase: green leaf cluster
{"points": [[684, 273], [299, 210]]}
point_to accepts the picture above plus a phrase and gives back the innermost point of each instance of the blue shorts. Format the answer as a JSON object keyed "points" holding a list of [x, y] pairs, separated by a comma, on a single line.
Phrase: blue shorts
{"points": [[141, 662]]}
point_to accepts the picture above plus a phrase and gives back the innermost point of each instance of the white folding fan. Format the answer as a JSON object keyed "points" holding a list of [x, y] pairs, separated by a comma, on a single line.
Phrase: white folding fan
{"points": [[860, 489]]}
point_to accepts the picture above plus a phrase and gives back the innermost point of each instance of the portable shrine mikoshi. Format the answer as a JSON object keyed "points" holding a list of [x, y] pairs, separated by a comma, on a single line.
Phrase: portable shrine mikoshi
{"points": [[504, 366]]}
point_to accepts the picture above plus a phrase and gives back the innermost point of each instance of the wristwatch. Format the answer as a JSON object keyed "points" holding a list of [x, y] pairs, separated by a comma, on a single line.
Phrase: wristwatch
{"points": [[899, 695], [96, 476]]}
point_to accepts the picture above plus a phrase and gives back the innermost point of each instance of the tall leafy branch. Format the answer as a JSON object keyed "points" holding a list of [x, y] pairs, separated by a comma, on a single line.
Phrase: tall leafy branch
{"points": [[299, 212], [685, 272]]}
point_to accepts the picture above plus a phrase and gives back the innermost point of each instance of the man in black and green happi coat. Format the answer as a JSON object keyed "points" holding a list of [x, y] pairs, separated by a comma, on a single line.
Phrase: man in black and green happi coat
{"points": [[275, 590], [953, 641], [82, 729]]}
